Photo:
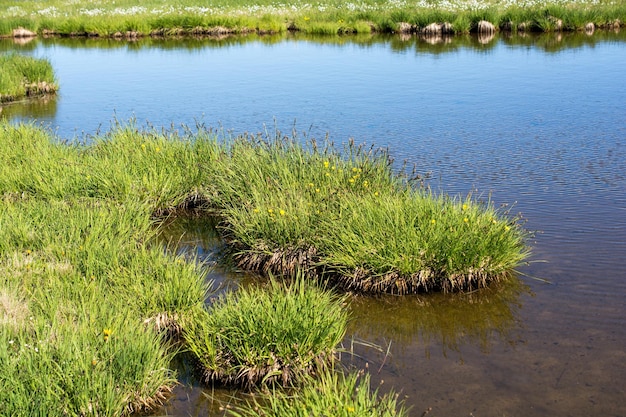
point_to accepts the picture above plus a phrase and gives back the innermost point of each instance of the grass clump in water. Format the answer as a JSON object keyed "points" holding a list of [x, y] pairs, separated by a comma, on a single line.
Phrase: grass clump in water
{"points": [[277, 334], [23, 76], [348, 216], [331, 394]]}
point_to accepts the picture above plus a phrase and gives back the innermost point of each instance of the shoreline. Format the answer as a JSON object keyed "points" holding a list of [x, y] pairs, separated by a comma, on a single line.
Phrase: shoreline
{"points": [[321, 19]]}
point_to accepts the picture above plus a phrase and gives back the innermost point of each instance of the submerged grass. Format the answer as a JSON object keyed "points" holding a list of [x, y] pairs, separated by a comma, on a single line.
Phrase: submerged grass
{"points": [[129, 18], [331, 394], [23, 76]]}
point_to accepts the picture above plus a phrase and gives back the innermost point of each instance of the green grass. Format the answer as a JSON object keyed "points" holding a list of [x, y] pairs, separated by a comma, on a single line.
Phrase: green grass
{"points": [[339, 214], [332, 394], [82, 302], [23, 76], [331, 17], [277, 334], [348, 216], [89, 301]]}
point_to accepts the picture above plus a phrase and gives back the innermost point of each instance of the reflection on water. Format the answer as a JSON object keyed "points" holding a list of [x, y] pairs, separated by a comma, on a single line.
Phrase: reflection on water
{"points": [[444, 321], [39, 108]]}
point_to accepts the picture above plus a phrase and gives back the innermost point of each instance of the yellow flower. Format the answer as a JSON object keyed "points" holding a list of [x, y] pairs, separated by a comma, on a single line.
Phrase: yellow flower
{"points": [[366, 183], [433, 221], [376, 194], [350, 409], [466, 220], [464, 207], [94, 362], [311, 184], [282, 212], [307, 18], [351, 180], [326, 164], [157, 149], [270, 211], [317, 190], [143, 146], [507, 228], [106, 333], [256, 210]]}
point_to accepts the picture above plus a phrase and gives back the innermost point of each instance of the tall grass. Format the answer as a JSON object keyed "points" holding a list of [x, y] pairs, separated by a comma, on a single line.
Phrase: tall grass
{"points": [[163, 170], [85, 296], [23, 76], [332, 17], [88, 298], [284, 205], [277, 334], [348, 216]]}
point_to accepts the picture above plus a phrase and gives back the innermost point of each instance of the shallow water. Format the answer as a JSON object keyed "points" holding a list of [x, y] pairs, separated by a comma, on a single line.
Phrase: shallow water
{"points": [[539, 123]]}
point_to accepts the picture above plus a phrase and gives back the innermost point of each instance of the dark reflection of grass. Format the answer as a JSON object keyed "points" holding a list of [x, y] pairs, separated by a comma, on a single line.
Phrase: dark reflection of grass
{"points": [[549, 42], [448, 321]]}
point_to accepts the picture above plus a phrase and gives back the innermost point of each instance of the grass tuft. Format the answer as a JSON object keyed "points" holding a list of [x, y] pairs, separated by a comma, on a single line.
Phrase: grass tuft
{"points": [[276, 334], [331, 394], [23, 76]]}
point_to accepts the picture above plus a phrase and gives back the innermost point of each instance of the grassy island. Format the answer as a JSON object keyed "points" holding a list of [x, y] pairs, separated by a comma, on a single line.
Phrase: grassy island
{"points": [[92, 309], [131, 19], [23, 76]]}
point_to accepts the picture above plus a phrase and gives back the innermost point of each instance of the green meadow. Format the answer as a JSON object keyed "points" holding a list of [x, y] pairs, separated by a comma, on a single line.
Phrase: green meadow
{"points": [[93, 309], [189, 17]]}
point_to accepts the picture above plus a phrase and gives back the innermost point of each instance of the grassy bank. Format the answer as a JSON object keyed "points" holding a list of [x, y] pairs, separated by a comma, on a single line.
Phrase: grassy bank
{"points": [[23, 76], [190, 17], [84, 307]]}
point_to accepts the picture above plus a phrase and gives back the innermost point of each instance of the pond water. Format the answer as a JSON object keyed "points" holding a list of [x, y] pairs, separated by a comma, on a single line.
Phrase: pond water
{"points": [[535, 122]]}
